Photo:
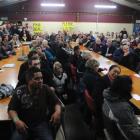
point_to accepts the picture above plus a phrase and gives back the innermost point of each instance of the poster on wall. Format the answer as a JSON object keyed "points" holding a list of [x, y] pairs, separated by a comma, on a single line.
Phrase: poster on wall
{"points": [[37, 27], [67, 26]]}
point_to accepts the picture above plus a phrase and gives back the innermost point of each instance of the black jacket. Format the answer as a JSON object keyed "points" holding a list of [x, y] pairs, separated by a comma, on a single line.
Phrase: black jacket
{"points": [[123, 113]]}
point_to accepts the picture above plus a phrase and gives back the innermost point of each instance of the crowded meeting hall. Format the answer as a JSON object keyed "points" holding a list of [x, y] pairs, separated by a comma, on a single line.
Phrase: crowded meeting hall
{"points": [[69, 70]]}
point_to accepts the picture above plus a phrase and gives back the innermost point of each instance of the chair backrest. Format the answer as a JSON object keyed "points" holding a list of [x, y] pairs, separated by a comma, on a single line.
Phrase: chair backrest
{"points": [[112, 126], [60, 134], [89, 100], [73, 72]]}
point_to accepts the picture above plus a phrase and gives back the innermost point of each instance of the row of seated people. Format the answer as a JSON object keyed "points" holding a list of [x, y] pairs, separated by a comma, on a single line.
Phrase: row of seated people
{"points": [[11, 37], [57, 69], [112, 49], [53, 72], [118, 50], [94, 84], [112, 89], [26, 116], [12, 29], [120, 53]]}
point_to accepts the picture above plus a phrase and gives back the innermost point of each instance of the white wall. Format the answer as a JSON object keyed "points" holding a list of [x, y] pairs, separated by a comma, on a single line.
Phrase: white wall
{"points": [[84, 27]]}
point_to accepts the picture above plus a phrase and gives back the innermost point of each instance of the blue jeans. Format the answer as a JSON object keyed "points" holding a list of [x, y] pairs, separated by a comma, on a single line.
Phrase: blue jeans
{"points": [[39, 132]]}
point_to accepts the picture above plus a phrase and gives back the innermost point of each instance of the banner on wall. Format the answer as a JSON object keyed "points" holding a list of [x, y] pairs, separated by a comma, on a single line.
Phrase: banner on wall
{"points": [[37, 27], [67, 26]]}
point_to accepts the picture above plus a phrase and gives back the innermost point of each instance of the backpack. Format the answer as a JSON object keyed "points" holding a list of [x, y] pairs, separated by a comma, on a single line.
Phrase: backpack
{"points": [[5, 90]]}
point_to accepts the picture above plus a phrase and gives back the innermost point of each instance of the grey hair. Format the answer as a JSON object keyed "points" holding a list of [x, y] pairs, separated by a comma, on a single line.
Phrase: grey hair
{"points": [[57, 64], [92, 64], [86, 55]]}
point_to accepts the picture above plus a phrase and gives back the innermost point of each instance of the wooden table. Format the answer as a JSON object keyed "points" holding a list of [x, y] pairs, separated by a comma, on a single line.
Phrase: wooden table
{"points": [[10, 76], [106, 63]]}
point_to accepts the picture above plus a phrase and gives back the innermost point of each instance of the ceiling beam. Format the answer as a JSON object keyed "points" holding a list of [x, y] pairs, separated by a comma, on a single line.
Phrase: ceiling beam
{"points": [[127, 3], [9, 2]]}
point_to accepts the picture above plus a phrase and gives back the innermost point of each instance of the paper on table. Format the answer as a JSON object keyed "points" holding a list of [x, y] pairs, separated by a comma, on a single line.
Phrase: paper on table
{"points": [[136, 97], [27, 43], [1, 70], [8, 66], [137, 75], [105, 72], [138, 118]]}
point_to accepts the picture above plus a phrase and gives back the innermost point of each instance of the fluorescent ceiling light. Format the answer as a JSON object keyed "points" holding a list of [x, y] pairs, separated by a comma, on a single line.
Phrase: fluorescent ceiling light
{"points": [[105, 6], [52, 5]]}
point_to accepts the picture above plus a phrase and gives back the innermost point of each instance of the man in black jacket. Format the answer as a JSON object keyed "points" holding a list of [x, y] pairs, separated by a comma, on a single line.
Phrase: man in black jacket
{"points": [[33, 60]]}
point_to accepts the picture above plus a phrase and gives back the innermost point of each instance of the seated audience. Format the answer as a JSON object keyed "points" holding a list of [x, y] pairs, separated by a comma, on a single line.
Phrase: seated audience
{"points": [[117, 101], [113, 72], [14, 42], [33, 45], [81, 65], [118, 53], [97, 46], [3, 53], [137, 53], [24, 35], [34, 61], [48, 52], [108, 49], [92, 81], [7, 47], [76, 57], [1, 32], [129, 59], [63, 53], [60, 81], [29, 106], [25, 66]]}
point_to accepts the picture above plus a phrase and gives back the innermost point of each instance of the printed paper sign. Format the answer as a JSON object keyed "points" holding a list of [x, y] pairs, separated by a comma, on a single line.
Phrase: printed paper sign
{"points": [[37, 27], [67, 26]]}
